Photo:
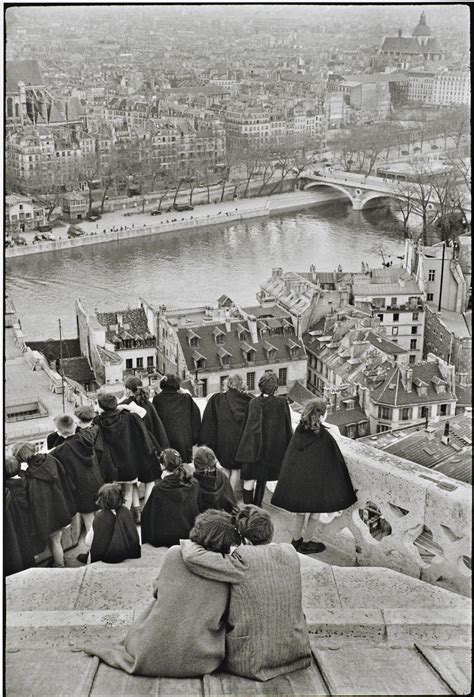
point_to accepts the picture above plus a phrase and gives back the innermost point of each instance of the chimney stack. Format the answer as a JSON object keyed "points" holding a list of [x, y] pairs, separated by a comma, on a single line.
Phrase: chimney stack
{"points": [[445, 438]]}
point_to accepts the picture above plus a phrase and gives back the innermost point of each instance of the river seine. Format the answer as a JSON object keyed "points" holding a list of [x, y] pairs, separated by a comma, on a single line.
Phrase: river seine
{"points": [[190, 268]]}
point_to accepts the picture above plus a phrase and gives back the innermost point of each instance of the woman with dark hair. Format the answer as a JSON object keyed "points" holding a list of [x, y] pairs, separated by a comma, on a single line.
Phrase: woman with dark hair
{"points": [[267, 633], [194, 607], [222, 421], [180, 416], [264, 439], [50, 496], [314, 477], [172, 507], [113, 536], [215, 490], [148, 472]]}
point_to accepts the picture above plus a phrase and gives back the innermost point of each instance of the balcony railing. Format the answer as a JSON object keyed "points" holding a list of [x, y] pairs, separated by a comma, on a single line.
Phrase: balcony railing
{"points": [[423, 519]]}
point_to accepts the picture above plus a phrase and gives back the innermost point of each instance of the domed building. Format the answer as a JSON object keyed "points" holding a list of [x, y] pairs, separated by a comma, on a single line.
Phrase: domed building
{"points": [[421, 46]]}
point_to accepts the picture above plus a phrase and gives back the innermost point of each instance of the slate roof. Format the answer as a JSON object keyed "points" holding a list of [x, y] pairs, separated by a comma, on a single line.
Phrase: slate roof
{"points": [[384, 345], [107, 356], [235, 347], [27, 71], [77, 369], [398, 396], [134, 323], [343, 417], [50, 348], [410, 45], [300, 394], [427, 449]]}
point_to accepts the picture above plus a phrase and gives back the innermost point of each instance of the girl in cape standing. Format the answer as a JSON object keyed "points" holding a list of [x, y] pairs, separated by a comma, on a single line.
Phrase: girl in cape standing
{"points": [[313, 478]]}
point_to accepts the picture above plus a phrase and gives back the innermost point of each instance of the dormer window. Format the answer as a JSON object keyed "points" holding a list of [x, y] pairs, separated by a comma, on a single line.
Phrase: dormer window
{"points": [[243, 332], [248, 351], [193, 339], [270, 350], [293, 347], [127, 343], [199, 360], [224, 356], [219, 335]]}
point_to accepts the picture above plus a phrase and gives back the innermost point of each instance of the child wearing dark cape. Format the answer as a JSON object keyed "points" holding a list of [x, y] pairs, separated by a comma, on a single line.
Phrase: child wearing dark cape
{"points": [[113, 536]]}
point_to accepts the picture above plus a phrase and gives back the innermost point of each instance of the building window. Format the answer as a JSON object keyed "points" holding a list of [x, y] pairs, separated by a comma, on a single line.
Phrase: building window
{"points": [[396, 316], [414, 330], [385, 413], [282, 376], [380, 316], [414, 316], [203, 387], [424, 412], [394, 331], [405, 414], [140, 362], [442, 409], [412, 344], [393, 302], [250, 381], [381, 428], [429, 297], [223, 378], [412, 359], [431, 275], [128, 363], [149, 362]]}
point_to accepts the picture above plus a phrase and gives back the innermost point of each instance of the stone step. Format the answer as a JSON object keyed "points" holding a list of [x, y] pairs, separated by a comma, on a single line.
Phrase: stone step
{"points": [[343, 671]]}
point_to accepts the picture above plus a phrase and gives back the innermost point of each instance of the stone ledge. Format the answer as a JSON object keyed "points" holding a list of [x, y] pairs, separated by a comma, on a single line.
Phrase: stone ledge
{"points": [[441, 626]]}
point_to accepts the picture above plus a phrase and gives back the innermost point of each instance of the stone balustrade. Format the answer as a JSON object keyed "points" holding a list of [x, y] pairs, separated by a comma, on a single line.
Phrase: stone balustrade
{"points": [[421, 510]]}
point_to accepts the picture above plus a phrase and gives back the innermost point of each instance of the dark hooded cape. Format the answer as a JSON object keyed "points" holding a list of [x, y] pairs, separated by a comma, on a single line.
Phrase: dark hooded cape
{"points": [[182, 420], [50, 495], [18, 549], [125, 448], [78, 457], [115, 537], [170, 511], [264, 438], [314, 476], [153, 424], [215, 491], [222, 422]]}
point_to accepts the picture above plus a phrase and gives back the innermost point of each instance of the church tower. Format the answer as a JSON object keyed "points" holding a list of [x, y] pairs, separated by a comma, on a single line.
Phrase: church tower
{"points": [[422, 32]]}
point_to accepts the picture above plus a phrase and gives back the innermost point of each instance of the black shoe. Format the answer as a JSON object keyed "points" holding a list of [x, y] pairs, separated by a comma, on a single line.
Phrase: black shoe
{"points": [[311, 547], [259, 492], [83, 557], [137, 515], [297, 543]]}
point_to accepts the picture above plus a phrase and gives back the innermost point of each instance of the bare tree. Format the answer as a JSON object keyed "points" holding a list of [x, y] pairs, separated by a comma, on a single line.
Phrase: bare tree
{"points": [[421, 194]]}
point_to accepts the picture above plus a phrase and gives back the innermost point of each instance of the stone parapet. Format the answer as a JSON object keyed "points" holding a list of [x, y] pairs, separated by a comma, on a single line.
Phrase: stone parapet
{"points": [[413, 501]]}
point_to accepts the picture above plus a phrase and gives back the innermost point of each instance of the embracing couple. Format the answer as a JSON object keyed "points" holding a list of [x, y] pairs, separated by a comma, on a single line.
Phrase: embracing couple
{"points": [[240, 612]]}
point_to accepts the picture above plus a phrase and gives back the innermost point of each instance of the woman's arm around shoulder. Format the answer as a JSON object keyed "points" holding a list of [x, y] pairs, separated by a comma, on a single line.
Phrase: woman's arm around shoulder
{"points": [[229, 568]]}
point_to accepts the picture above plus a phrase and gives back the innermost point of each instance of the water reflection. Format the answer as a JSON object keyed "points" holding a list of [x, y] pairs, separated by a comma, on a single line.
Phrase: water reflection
{"points": [[193, 267]]}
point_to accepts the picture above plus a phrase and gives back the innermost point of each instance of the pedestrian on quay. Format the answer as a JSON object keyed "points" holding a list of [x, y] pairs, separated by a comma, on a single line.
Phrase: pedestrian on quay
{"points": [[196, 646], [267, 634], [18, 546], [137, 394], [180, 416], [222, 422], [264, 439], [313, 478], [123, 445], [215, 490], [172, 507], [78, 457], [113, 536], [50, 497]]}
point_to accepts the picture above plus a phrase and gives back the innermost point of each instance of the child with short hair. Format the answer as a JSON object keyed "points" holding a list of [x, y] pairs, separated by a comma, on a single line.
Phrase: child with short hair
{"points": [[171, 510], [113, 536]]}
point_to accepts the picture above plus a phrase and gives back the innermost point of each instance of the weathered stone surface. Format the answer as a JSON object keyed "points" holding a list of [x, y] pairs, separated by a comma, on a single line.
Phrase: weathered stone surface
{"points": [[319, 587], [301, 682], [47, 672], [110, 682], [104, 588], [377, 671], [454, 666], [383, 588], [48, 589], [346, 625], [152, 558], [437, 626]]}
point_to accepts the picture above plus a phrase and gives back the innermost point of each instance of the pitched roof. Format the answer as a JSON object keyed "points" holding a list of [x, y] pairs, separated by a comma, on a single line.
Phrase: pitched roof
{"points": [[300, 394], [133, 321], [77, 369], [393, 393], [234, 348], [51, 348]]}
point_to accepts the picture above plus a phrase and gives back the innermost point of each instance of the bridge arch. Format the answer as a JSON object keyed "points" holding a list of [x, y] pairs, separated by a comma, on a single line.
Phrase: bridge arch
{"points": [[329, 185], [370, 196]]}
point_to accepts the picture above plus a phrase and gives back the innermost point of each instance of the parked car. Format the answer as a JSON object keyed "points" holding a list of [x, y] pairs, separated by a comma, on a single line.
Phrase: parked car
{"points": [[9, 243], [20, 241], [155, 212], [39, 238], [405, 152], [44, 228], [183, 207], [93, 217], [75, 232], [434, 147], [317, 173], [416, 149]]}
